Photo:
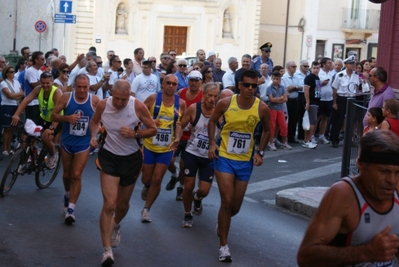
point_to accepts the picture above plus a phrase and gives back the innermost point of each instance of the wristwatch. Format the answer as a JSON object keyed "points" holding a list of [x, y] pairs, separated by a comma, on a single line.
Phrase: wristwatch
{"points": [[103, 80], [136, 135], [51, 127], [261, 153]]}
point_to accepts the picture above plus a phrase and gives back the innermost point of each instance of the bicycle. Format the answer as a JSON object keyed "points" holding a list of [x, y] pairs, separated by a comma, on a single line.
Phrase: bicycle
{"points": [[27, 160]]}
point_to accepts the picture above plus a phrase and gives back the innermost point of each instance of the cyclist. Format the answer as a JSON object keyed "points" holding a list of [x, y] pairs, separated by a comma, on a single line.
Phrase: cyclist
{"points": [[48, 96]]}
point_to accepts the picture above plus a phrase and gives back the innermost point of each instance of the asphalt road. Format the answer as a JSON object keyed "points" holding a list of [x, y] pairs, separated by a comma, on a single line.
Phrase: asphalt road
{"points": [[32, 232]]}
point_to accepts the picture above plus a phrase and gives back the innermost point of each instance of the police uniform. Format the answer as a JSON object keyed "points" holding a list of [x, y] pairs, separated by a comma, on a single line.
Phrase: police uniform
{"points": [[341, 84], [256, 62]]}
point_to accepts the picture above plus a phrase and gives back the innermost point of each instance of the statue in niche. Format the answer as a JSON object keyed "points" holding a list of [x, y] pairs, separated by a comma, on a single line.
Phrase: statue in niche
{"points": [[227, 25], [121, 18]]}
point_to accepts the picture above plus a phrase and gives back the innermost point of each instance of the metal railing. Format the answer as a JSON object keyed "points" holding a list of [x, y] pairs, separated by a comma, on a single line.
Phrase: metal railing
{"points": [[365, 19], [355, 112]]}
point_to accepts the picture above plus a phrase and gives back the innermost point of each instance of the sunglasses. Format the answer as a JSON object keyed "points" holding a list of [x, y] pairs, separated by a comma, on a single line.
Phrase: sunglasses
{"points": [[111, 55], [118, 61], [265, 50], [305, 66], [209, 71], [172, 54], [166, 58], [99, 62], [196, 69], [152, 61], [247, 85], [11, 71], [293, 67], [182, 66], [171, 83], [64, 71]]}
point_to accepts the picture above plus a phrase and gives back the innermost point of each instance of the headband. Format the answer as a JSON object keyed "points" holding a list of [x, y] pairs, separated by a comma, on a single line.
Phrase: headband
{"points": [[375, 157]]}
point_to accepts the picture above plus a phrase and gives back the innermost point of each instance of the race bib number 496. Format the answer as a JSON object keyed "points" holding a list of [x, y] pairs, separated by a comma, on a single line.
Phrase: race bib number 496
{"points": [[238, 143], [163, 137]]}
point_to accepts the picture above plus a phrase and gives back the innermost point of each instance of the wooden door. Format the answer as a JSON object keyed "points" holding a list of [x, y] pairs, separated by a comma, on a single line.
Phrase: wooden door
{"points": [[175, 38]]}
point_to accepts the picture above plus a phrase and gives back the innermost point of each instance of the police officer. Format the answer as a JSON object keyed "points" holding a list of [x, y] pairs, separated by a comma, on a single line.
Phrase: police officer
{"points": [[264, 58], [342, 84]]}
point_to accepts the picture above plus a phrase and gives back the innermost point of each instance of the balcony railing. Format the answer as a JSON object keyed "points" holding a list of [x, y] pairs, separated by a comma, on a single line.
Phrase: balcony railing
{"points": [[362, 19]]}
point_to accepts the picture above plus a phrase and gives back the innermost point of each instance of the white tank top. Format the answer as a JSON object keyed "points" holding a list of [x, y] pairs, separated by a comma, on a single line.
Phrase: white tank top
{"points": [[113, 119], [198, 144], [371, 223]]}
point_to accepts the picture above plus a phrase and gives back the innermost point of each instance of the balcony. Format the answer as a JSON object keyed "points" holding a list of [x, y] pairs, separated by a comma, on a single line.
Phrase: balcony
{"points": [[366, 21]]}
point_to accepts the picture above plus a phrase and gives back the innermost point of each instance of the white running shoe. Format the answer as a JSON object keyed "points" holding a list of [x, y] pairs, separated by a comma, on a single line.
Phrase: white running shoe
{"points": [[145, 216], [286, 146], [116, 236], [52, 161], [108, 257], [272, 147], [313, 140], [323, 140], [224, 254], [309, 145]]}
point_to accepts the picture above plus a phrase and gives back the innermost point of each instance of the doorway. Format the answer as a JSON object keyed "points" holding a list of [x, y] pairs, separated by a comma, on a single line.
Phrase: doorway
{"points": [[320, 48], [175, 38]]}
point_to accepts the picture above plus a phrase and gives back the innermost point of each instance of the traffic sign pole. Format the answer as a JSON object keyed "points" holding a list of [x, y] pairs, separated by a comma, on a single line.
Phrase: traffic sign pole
{"points": [[40, 27]]}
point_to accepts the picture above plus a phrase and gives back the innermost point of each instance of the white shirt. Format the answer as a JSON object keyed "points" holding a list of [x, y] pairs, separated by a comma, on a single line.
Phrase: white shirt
{"points": [[289, 81], [228, 79], [342, 81], [32, 75], [143, 86], [263, 87], [326, 90], [94, 79], [73, 74], [4, 86]]}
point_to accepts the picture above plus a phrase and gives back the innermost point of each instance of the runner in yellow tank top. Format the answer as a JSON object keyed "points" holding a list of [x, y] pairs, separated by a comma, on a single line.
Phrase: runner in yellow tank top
{"points": [[233, 166], [158, 151]]}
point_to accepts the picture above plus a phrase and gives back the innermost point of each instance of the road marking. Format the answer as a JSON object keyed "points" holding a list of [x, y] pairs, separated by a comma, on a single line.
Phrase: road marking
{"points": [[293, 178]]}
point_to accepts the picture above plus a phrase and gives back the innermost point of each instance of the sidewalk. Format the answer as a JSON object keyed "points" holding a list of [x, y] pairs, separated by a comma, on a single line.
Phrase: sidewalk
{"points": [[303, 200]]}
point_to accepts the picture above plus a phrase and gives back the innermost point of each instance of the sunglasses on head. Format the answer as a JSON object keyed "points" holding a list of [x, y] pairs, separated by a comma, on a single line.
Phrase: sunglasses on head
{"points": [[247, 85]]}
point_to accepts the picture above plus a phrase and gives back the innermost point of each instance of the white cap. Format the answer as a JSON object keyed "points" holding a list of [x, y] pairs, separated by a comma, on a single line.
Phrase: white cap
{"points": [[32, 129], [195, 74], [349, 60], [211, 53]]}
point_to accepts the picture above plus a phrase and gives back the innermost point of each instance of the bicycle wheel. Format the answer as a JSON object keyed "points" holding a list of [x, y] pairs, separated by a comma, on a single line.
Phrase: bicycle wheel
{"points": [[11, 173], [45, 176]]}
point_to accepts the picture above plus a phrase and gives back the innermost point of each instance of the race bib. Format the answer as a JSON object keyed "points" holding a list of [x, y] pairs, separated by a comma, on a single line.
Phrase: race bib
{"points": [[163, 137], [239, 143], [80, 127], [201, 142]]}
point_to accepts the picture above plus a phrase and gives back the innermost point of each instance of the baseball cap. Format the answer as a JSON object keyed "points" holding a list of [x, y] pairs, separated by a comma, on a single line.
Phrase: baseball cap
{"points": [[211, 53], [195, 75]]}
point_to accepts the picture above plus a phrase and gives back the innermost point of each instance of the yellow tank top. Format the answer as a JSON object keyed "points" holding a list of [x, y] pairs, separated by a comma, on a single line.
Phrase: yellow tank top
{"points": [[166, 134], [237, 140], [46, 107]]}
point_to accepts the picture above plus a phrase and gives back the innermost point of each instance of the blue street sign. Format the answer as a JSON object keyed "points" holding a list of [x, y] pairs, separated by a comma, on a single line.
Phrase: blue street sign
{"points": [[65, 6], [65, 21], [65, 16]]}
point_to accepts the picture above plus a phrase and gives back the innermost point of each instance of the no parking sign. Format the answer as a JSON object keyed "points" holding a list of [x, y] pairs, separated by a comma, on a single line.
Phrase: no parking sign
{"points": [[40, 26]]}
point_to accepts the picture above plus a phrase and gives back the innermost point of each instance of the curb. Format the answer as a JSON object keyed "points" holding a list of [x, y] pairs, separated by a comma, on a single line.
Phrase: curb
{"points": [[304, 201]]}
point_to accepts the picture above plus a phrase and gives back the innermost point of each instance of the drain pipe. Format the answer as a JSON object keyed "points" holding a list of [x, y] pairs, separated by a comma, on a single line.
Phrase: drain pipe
{"points": [[286, 31]]}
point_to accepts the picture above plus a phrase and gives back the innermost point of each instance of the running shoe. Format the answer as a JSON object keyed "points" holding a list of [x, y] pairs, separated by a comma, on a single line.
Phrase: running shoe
{"points": [[197, 206], [108, 257], [313, 140], [69, 216], [323, 140], [286, 146], [52, 161], [188, 221], [66, 203], [5, 153], [171, 184], [309, 145], [272, 147], [179, 193], [145, 216], [277, 143], [144, 193], [116, 236], [224, 254]]}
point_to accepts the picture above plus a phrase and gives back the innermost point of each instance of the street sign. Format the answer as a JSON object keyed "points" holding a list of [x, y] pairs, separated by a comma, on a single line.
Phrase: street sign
{"points": [[65, 18], [40, 26], [65, 6]]}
